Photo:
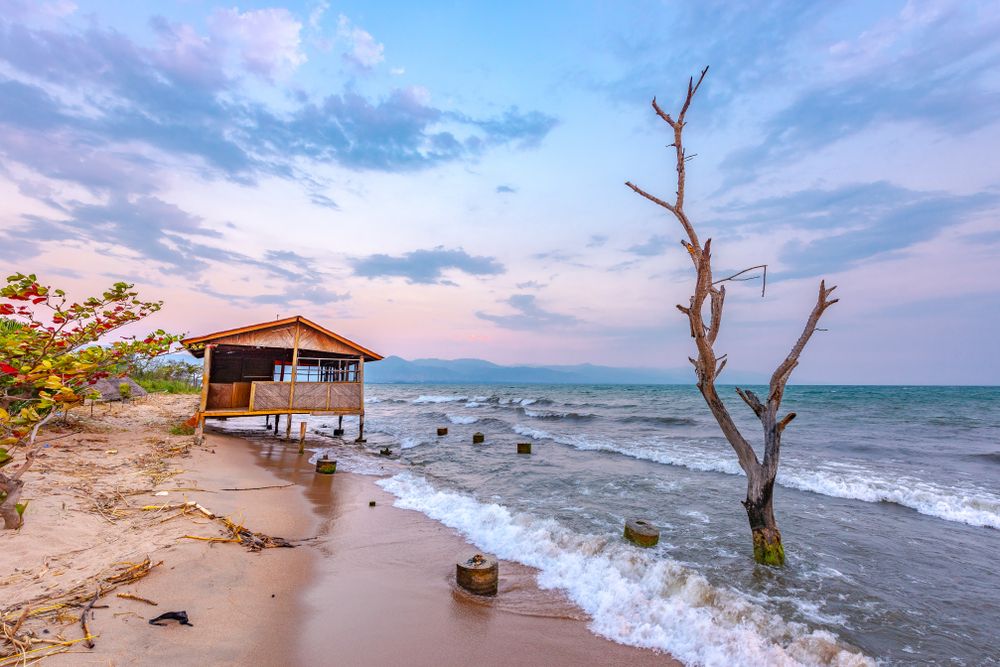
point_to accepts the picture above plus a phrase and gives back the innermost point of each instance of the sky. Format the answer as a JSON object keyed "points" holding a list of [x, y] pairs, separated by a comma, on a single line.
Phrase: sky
{"points": [[445, 179]]}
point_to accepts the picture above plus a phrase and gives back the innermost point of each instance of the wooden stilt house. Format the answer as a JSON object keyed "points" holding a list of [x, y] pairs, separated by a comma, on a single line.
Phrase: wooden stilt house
{"points": [[285, 367]]}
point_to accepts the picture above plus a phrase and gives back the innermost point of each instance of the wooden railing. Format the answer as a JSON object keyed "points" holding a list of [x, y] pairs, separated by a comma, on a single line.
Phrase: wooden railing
{"points": [[313, 396]]}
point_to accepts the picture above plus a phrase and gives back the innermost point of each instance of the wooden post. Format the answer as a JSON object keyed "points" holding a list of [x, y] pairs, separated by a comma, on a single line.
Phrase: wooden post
{"points": [[203, 401], [277, 419], [361, 416], [291, 389], [302, 437]]}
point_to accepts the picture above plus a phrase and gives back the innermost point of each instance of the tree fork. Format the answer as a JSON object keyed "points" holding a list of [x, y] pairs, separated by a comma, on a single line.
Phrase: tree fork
{"points": [[767, 544]]}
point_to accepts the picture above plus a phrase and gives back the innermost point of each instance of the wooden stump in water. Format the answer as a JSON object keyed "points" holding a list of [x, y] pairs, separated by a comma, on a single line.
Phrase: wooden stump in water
{"points": [[478, 574], [371, 503], [442, 430], [524, 448], [338, 431], [385, 451], [478, 438], [325, 466], [641, 533]]}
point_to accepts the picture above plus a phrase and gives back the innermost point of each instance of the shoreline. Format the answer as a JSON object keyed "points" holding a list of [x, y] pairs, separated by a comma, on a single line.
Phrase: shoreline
{"points": [[395, 569], [365, 586]]}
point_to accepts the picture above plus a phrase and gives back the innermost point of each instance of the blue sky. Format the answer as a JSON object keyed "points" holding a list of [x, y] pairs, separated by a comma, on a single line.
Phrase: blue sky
{"points": [[446, 179]]}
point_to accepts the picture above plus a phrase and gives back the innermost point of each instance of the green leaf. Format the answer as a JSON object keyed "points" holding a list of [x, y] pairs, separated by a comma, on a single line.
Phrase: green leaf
{"points": [[5, 458], [20, 507]]}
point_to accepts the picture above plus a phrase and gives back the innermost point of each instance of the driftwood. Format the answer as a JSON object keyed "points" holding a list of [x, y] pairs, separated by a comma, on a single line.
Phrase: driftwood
{"points": [[712, 294]]}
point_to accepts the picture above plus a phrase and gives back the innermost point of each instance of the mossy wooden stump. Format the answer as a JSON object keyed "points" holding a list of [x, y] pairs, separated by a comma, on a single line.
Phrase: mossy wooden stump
{"points": [[524, 448], [325, 466], [642, 533], [442, 430], [478, 574], [385, 451], [478, 438]]}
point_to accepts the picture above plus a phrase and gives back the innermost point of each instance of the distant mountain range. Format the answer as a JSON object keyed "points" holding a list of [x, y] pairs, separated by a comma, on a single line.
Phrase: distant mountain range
{"points": [[478, 371], [475, 371]]}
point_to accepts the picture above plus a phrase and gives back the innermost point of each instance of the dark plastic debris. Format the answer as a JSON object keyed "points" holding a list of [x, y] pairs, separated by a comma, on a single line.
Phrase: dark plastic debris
{"points": [[179, 616]]}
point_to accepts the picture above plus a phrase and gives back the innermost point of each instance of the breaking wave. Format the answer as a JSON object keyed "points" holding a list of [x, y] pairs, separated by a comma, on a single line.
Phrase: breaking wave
{"points": [[634, 597], [967, 504]]}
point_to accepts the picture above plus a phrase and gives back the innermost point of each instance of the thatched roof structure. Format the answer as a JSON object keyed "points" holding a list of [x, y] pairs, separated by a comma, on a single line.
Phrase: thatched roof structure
{"points": [[108, 388]]}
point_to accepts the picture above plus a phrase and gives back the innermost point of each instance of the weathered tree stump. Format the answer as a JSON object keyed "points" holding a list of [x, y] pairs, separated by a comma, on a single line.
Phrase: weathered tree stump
{"points": [[338, 432], [442, 430], [478, 438], [524, 448], [325, 466], [478, 574], [641, 533], [371, 503], [385, 451]]}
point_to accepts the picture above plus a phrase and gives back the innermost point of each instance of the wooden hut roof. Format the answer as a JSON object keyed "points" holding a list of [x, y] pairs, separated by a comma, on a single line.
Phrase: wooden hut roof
{"points": [[245, 336]]}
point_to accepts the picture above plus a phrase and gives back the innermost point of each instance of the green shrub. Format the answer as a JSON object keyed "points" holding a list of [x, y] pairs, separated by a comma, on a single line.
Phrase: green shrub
{"points": [[167, 386], [182, 429]]}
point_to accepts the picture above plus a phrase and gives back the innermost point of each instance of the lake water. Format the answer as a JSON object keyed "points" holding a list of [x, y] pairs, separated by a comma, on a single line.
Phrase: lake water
{"points": [[887, 498]]}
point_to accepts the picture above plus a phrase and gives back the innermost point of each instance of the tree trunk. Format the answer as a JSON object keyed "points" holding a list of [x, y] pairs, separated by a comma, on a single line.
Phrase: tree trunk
{"points": [[8, 509], [767, 548]]}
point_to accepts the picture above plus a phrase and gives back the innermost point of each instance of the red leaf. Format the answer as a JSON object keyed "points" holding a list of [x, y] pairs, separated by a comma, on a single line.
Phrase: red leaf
{"points": [[8, 369]]}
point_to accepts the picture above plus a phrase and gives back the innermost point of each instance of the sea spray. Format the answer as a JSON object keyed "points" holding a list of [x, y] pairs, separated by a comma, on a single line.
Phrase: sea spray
{"points": [[635, 598]]}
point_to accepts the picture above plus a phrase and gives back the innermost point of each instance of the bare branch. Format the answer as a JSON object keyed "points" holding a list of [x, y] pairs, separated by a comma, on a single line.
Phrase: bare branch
{"points": [[786, 421], [763, 285], [661, 114], [751, 399], [652, 198], [784, 371]]}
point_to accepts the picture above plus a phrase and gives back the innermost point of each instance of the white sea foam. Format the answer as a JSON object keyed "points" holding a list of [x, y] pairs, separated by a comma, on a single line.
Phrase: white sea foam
{"points": [[462, 419], [536, 433], [410, 443], [634, 597], [972, 505], [433, 398], [349, 460]]}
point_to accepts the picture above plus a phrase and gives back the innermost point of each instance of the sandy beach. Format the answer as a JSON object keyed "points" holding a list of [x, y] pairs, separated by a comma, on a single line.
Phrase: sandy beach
{"points": [[366, 586]]}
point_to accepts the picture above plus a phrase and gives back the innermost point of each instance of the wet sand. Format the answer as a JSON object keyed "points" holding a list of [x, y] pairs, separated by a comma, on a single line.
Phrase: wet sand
{"points": [[381, 591]]}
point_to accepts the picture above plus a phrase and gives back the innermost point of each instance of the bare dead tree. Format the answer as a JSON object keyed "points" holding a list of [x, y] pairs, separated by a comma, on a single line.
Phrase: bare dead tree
{"points": [[767, 545]]}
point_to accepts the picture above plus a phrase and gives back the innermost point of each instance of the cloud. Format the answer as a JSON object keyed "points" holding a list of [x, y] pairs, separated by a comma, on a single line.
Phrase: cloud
{"points": [[268, 40], [176, 98], [505, 189], [364, 52], [525, 129], [654, 245], [933, 67], [426, 266], [597, 241], [854, 222], [529, 315], [753, 45], [324, 201], [531, 284]]}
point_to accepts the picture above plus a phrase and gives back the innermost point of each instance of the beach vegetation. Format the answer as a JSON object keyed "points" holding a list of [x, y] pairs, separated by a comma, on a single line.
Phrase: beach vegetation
{"points": [[704, 314], [52, 350], [182, 429], [166, 376]]}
